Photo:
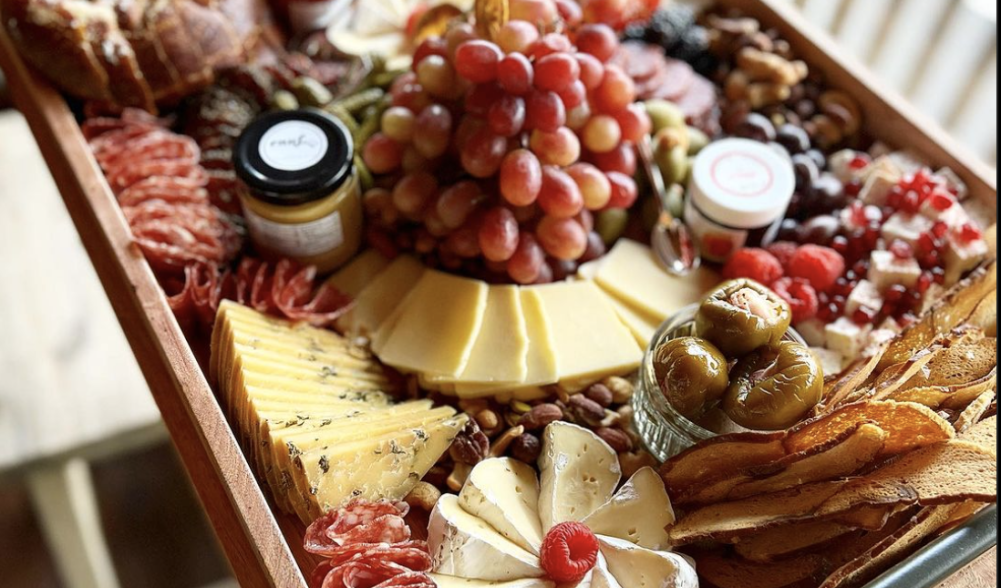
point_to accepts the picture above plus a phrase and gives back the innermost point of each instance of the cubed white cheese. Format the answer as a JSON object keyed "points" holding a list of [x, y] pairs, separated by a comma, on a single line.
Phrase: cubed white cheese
{"points": [[906, 227], [953, 180], [877, 187], [877, 339], [954, 216], [960, 257], [838, 164], [830, 361], [906, 162], [882, 164], [847, 338], [864, 294], [891, 324], [886, 270], [812, 331]]}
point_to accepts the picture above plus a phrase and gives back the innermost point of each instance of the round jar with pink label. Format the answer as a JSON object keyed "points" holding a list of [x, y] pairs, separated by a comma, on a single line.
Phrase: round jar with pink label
{"points": [[737, 196]]}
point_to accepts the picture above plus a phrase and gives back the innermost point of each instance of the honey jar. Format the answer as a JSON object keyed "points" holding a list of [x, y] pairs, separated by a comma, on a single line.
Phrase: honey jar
{"points": [[299, 190]]}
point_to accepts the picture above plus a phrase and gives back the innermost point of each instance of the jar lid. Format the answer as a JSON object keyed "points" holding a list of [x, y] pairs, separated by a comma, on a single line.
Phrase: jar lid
{"points": [[741, 183], [294, 157]]}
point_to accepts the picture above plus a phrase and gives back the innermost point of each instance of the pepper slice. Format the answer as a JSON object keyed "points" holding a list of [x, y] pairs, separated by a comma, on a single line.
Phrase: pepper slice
{"points": [[741, 315], [774, 388]]}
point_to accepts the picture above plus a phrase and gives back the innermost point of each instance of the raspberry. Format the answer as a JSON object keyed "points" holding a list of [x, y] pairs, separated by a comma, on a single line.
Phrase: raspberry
{"points": [[756, 264], [568, 552], [783, 251], [818, 265], [800, 295]]}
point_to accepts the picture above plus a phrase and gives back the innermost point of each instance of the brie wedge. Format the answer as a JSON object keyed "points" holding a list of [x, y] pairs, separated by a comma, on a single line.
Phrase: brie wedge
{"points": [[640, 512], [504, 492], [579, 473], [636, 567]]}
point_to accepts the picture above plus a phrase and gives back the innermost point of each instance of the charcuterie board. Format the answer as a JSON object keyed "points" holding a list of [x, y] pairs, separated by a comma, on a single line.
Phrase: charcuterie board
{"points": [[262, 540]]}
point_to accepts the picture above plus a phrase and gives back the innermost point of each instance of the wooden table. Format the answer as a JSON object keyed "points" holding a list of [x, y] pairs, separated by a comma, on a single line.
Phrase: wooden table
{"points": [[263, 546]]}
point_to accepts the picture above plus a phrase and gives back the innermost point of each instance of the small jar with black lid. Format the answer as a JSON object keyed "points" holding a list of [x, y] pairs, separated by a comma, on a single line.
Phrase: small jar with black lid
{"points": [[300, 193]]}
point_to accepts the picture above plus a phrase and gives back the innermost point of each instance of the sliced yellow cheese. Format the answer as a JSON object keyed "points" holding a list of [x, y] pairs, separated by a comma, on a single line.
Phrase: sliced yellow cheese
{"points": [[630, 271], [436, 332], [352, 278], [377, 300], [640, 324], [500, 352], [306, 372], [540, 359], [589, 338]]}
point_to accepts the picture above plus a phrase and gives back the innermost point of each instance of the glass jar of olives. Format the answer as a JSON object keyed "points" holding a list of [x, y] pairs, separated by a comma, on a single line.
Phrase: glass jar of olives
{"points": [[659, 413]]}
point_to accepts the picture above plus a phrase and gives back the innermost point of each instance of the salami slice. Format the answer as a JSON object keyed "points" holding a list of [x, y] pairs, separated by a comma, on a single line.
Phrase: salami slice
{"points": [[409, 580], [699, 105], [677, 78], [152, 146], [639, 60], [140, 170]]}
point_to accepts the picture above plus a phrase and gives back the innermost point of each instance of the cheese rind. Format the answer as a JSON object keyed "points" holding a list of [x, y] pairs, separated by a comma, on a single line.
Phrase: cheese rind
{"points": [[578, 474], [463, 545], [505, 493], [437, 330], [630, 271], [636, 567], [639, 512], [377, 300], [452, 582]]}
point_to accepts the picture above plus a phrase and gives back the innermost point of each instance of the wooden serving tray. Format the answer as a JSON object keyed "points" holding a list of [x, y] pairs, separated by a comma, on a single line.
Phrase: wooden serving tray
{"points": [[262, 544]]}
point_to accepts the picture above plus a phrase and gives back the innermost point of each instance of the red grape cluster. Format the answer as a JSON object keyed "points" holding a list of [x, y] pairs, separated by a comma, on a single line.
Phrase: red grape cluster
{"points": [[495, 154]]}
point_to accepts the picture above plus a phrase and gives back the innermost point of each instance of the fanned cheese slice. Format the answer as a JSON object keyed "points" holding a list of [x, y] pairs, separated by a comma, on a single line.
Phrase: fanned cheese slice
{"points": [[378, 299], [356, 275], [463, 545], [589, 338], [452, 582], [505, 493], [639, 512], [499, 354], [540, 358], [640, 324], [630, 271], [579, 473], [636, 567], [436, 331], [600, 577]]}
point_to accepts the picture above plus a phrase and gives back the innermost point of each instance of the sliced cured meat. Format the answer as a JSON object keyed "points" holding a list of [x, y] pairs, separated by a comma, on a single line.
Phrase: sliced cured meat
{"points": [[639, 60], [355, 521], [409, 580], [162, 145], [699, 105], [675, 80], [139, 170], [170, 190]]}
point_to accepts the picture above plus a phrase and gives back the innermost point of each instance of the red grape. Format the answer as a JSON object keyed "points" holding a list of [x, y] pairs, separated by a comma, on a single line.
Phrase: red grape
{"points": [[594, 186], [457, 202], [458, 33], [545, 275], [430, 46], [432, 131], [526, 261], [540, 13], [515, 74], [591, 70], [544, 111], [413, 194], [409, 94], [586, 220], [577, 117], [560, 197], [621, 159], [436, 75], [598, 40], [595, 248], [563, 238], [481, 98], [526, 214], [482, 154], [624, 190], [382, 154], [601, 134], [612, 12], [498, 234], [561, 147], [468, 126], [414, 161], [549, 44], [616, 91], [516, 36], [507, 116], [398, 124], [570, 11], [556, 71], [434, 225], [464, 241], [573, 95], [634, 122], [378, 203], [477, 60], [520, 177]]}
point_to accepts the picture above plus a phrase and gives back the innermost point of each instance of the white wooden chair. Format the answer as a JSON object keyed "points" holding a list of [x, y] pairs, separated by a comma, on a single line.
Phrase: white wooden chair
{"points": [[941, 54], [70, 388]]}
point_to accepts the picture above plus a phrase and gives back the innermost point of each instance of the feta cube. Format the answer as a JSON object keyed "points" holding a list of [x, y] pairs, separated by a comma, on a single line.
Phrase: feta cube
{"points": [[906, 227], [891, 324], [864, 294], [906, 162], [877, 339], [838, 164], [953, 180], [830, 361], [954, 216], [847, 338], [961, 257], [812, 331], [886, 270], [877, 187]]}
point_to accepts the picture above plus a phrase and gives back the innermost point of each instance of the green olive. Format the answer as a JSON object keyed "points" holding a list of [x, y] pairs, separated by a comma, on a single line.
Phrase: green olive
{"points": [[741, 315], [691, 373], [774, 388]]}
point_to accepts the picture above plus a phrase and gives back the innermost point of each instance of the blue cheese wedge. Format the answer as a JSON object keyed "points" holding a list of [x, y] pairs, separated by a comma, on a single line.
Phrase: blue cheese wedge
{"points": [[463, 545], [579, 473], [504, 492]]}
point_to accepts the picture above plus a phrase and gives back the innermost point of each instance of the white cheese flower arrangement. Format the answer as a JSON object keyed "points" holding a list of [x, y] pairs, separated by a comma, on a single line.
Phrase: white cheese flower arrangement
{"points": [[509, 529]]}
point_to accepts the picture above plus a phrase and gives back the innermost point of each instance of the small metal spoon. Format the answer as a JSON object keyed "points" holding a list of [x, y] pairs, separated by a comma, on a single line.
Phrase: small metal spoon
{"points": [[670, 239]]}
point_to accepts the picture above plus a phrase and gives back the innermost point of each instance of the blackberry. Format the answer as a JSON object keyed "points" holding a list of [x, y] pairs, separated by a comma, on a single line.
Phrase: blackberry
{"points": [[693, 43], [635, 32]]}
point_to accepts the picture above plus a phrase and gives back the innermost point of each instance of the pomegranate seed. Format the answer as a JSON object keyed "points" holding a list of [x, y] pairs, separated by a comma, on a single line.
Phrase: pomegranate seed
{"points": [[840, 244], [938, 275], [968, 232], [901, 249], [861, 267], [856, 210], [924, 282], [911, 202], [860, 161], [939, 229], [895, 198], [926, 243], [853, 188], [895, 293], [863, 315], [941, 201], [930, 259]]}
